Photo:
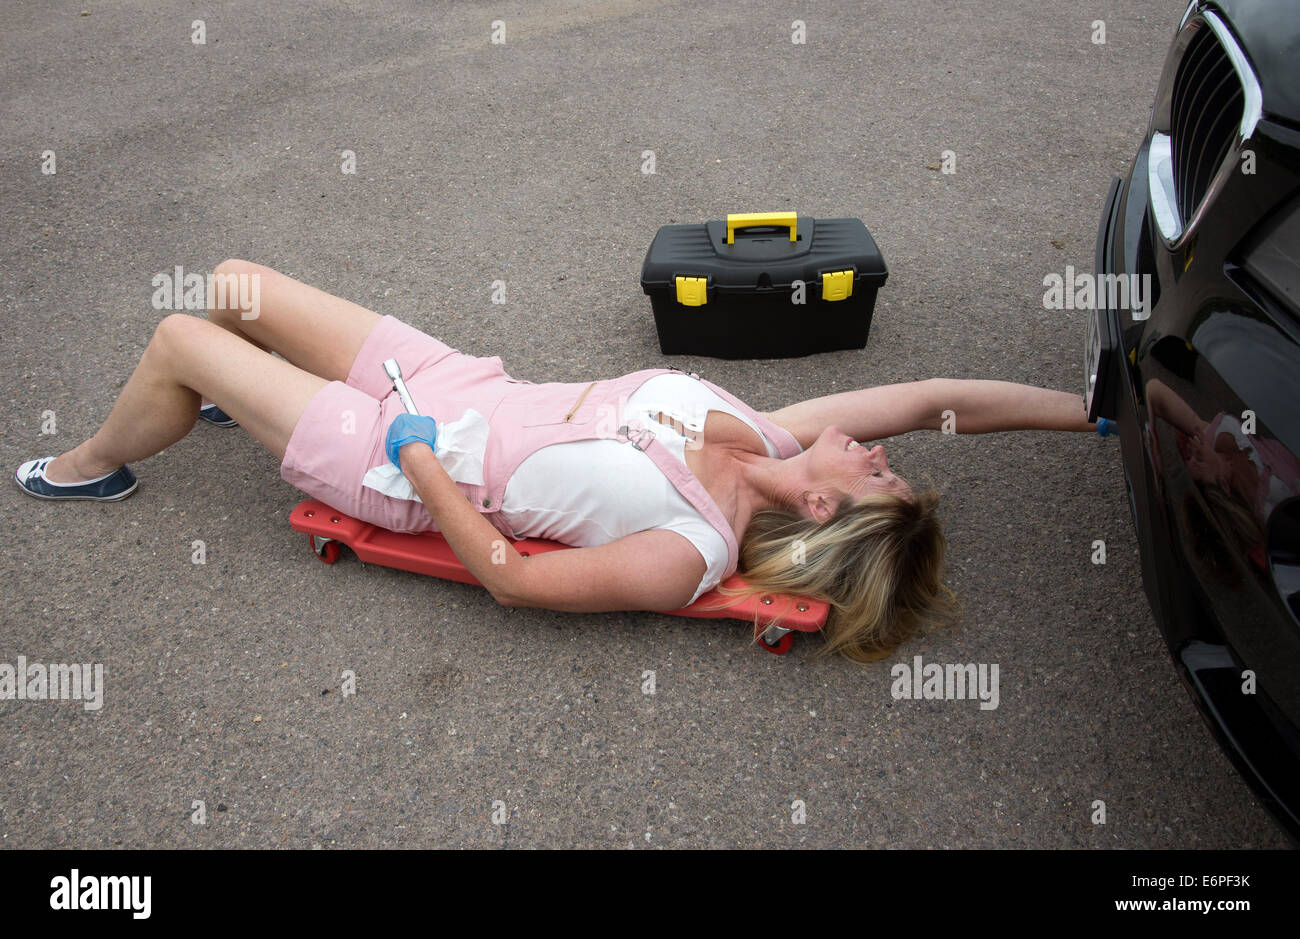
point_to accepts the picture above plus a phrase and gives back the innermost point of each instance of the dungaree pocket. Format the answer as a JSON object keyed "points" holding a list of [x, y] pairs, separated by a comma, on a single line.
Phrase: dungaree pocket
{"points": [[577, 409]]}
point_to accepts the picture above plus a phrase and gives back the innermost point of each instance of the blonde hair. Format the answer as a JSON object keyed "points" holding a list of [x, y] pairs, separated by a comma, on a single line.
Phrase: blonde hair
{"points": [[878, 562], [1222, 529]]}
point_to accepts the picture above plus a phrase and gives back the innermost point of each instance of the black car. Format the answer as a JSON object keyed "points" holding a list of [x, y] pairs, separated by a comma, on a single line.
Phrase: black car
{"points": [[1194, 351]]}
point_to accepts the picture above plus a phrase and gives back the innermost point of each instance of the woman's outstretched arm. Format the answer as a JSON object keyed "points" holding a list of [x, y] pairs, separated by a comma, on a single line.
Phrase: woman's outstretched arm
{"points": [[957, 405]]}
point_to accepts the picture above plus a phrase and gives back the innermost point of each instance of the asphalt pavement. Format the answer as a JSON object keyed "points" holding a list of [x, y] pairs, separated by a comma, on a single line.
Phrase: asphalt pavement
{"points": [[225, 721]]}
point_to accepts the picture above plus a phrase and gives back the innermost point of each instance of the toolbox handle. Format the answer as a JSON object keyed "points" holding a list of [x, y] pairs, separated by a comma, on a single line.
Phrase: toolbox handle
{"points": [[756, 219]]}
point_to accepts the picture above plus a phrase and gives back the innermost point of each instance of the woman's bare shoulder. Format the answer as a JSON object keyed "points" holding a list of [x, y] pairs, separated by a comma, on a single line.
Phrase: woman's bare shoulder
{"points": [[784, 422]]}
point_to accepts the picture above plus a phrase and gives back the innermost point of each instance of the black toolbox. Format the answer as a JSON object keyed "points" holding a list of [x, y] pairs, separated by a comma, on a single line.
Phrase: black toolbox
{"points": [[765, 285]]}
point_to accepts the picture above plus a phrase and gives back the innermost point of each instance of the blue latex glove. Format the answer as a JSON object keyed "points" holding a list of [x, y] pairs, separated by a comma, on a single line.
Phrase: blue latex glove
{"points": [[408, 428], [1106, 427]]}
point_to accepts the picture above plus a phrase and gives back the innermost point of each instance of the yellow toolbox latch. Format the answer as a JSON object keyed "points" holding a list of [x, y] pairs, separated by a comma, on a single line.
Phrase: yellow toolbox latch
{"points": [[837, 285], [692, 291]]}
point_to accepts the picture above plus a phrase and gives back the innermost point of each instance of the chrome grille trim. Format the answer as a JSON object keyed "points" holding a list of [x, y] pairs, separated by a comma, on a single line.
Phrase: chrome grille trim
{"points": [[1186, 166]]}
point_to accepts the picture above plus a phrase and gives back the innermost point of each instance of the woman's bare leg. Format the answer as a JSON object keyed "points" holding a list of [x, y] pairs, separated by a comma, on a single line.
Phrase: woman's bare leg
{"points": [[314, 330], [188, 357]]}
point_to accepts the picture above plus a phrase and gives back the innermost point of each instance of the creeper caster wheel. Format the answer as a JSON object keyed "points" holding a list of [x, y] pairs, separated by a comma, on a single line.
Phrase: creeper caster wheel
{"points": [[327, 549]]}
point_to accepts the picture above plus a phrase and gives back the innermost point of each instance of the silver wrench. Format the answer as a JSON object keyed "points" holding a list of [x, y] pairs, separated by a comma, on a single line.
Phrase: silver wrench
{"points": [[394, 371]]}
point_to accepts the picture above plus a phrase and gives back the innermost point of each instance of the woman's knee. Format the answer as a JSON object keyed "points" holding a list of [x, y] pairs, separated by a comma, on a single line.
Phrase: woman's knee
{"points": [[237, 266], [177, 333], [235, 290]]}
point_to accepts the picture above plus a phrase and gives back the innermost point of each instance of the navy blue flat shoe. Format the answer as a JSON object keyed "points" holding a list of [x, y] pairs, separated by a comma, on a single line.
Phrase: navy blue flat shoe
{"points": [[116, 485], [214, 415]]}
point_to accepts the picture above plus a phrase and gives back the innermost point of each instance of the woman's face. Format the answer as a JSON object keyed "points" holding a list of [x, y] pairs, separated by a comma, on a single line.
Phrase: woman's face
{"points": [[837, 462], [1239, 473]]}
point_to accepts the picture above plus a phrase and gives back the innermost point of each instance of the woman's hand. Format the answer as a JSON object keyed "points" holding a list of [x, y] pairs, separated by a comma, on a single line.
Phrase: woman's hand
{"points": [[407, 429]]}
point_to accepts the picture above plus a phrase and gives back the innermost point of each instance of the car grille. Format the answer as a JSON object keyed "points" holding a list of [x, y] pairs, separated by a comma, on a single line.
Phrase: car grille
{"points": [[1205, 112], [1207, 106]]}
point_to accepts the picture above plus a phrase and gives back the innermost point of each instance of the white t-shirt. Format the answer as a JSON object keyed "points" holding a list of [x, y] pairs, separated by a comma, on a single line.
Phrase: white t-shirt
{"points": [[591, 492]]}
